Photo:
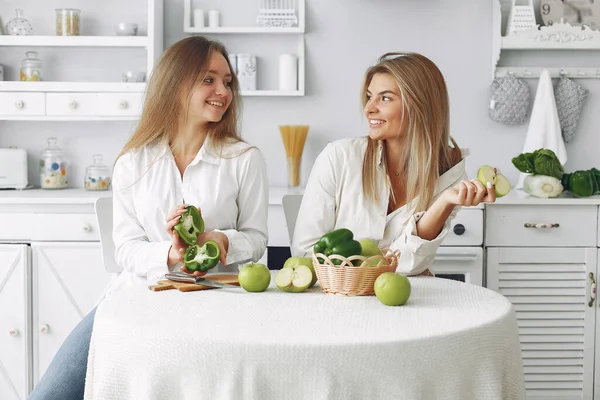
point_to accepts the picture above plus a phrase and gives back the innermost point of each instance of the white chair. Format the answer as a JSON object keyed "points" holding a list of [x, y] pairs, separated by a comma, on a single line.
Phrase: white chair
{"points": [[104, 215], [291, 206]]}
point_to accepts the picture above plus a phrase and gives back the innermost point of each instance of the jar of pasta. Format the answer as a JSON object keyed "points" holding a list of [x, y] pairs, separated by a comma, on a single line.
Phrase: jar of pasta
{"points": [[67, 21], [97, 175], [53, 166]]}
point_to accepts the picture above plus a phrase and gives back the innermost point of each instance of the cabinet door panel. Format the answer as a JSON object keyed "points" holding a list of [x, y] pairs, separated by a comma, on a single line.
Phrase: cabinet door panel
{"points": [[550, 289], [14, 374], [69, 281]]}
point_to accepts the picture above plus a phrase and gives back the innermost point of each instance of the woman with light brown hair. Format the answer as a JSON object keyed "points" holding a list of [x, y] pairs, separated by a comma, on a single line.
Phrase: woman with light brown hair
{"points": [[185, 150], [403, 183]]}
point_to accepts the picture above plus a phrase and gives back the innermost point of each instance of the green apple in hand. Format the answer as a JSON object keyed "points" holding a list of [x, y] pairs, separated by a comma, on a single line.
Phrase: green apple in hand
{"points": [[294, 279], [392, 289], [295, 261], [254, 277], [489, 174]]}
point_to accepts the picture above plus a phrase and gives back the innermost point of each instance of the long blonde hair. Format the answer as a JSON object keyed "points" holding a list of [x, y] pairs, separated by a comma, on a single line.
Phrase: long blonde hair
{"points": [[428, 153], [178, 70]]}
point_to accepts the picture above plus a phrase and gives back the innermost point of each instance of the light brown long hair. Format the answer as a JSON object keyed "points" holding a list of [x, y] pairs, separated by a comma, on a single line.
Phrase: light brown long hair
{"points": [[178, 70], [428, 153]]}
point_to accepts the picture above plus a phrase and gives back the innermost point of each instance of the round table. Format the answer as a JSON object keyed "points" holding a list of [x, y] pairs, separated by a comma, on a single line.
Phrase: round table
{"points": [[450, 341]]}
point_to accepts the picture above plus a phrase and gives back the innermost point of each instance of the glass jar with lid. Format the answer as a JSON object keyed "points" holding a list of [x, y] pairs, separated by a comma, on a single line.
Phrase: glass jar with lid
{"points": [[31, 67], [67, 21], [97, 175], [53, 166]]}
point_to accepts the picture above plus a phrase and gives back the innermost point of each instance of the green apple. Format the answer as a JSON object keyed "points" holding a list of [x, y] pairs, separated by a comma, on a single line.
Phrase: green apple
{"points": [[502, 185], [392, 289], [294, 279], [295, 261], [254, 277], [369, 248], [489, 174]]}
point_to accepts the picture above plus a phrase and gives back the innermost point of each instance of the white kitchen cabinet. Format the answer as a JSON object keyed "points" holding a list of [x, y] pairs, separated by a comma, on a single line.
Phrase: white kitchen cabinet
{"points": [[14, 321], [68, 281], [550, 289], [51, 276]]}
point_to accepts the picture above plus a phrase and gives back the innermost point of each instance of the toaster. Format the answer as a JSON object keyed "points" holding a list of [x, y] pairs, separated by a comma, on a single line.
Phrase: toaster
{"points": [[13, 168]]}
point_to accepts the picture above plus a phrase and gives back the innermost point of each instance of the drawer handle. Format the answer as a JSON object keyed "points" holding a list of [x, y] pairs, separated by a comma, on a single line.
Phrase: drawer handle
{"points": [[459, 229], [541, 225], [86, 228], [123, 104], [13, 332], [44, 328], [19, 104], [592, 290], [73, 105]]}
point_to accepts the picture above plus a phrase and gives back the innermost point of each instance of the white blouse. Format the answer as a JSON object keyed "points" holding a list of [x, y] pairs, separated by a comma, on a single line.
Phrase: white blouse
{"points": [[230, 190], [334, 199]]}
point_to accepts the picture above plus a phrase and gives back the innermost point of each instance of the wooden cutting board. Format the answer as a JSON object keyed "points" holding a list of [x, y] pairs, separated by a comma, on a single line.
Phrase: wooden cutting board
{"points": [[232, 279]]}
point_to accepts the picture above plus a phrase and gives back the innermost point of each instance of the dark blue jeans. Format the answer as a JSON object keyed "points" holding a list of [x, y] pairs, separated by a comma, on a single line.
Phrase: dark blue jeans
{"points": [[65, 377]]}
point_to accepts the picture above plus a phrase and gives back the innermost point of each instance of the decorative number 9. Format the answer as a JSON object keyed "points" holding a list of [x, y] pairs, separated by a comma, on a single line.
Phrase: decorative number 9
{"points": [[546, 9]]}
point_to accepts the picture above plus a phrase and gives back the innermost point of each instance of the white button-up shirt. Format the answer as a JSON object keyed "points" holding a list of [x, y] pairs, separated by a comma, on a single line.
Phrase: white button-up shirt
{"points": [[231, 192], [334, 199]]}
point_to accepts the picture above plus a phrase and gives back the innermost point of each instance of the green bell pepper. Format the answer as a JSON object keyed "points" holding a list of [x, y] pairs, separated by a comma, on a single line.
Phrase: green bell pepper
{"points": [[190, 225], [202, 258], [583, 183], [341, 242]]}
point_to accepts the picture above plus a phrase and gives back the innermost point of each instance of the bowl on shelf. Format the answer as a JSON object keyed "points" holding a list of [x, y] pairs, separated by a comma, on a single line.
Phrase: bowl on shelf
{"points": [[134, 76], [126, 29]]}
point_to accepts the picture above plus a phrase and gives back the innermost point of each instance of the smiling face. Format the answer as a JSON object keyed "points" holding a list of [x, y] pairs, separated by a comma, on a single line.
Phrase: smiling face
{"points": [[212, 94], [384, 109]]}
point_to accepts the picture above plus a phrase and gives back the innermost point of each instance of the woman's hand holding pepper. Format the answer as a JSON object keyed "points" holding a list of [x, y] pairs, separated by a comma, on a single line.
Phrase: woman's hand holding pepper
{"points": [[178, 246], [221, 239]]}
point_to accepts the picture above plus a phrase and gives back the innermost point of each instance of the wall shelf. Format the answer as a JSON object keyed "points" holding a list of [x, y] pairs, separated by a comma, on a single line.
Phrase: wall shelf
{"points": [[18, 86], [83, 100], [559, 36], [272, 93], [534, 72], [74, 41], [249, 30], [297, 31]]}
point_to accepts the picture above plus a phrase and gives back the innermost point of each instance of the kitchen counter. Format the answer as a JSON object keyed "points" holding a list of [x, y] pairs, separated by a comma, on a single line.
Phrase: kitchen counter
{"points": [[520, 197], [82, 196], [58, 196]]}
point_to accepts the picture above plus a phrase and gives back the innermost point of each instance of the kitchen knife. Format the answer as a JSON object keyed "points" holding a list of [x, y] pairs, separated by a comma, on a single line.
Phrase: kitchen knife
{"points": [[198, 280]]}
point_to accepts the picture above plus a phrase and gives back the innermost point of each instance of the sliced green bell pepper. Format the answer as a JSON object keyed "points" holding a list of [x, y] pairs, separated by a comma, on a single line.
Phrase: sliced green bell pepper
{"points": [[202, 258], [583, 183], [190, 225], [340, 241]]}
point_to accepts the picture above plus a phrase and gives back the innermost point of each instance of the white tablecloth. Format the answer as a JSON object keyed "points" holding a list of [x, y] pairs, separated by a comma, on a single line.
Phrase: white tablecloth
{"points": [[450, 341]]}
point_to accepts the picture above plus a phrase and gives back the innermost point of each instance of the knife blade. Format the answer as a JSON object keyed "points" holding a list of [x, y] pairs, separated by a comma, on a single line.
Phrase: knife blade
{"points": [[198, 280]]}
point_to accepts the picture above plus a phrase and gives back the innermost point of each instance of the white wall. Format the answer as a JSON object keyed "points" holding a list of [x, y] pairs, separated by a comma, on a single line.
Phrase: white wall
{"points": [[343, 38]]}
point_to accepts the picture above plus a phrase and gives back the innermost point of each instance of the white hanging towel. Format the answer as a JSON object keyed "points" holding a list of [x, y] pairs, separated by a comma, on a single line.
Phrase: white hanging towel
{"points": [[544, 127]]}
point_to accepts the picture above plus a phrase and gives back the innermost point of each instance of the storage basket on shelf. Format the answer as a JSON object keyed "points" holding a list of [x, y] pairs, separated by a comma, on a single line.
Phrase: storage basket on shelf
{"points": [[348, 279]]}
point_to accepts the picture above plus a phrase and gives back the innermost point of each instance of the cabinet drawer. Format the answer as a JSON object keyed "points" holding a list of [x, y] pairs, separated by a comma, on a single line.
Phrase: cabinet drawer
{"points": [[466, 228], [22, 103], [70, 103], [523, 225], [48, 227], [115, 104]]}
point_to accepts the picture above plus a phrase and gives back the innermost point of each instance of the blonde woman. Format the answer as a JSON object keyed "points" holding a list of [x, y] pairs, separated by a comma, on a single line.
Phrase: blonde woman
{"points": [[403, 183], [185, 150]]}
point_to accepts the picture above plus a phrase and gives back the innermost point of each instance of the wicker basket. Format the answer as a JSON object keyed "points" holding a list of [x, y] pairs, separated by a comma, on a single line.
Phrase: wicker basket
{"points": [[348, 279]]}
